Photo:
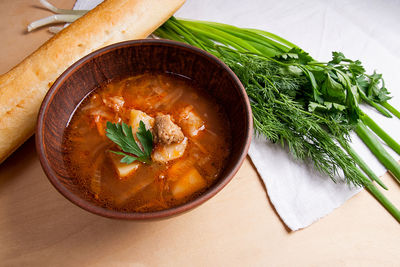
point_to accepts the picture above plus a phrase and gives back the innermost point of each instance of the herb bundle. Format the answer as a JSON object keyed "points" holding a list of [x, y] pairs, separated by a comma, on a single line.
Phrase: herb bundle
{"points": [[309, 106]]}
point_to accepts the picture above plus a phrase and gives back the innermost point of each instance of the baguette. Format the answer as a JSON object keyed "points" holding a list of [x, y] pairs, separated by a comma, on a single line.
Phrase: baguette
{"points": [[23, 88]]}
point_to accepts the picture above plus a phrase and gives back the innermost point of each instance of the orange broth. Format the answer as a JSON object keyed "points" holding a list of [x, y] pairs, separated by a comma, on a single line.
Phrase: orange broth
{"points": [[158, 185]]}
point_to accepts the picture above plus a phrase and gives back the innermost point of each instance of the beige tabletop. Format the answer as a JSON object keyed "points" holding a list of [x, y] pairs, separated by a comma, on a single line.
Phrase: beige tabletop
{"points": [[238, 227]]}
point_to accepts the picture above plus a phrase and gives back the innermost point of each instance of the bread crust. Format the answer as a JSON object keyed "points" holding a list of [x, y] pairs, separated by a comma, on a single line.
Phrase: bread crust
{"points": [[23, 88]]}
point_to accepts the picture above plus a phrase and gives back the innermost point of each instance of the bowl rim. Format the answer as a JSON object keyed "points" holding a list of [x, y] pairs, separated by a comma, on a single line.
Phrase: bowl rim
{"points": [[88, 206]]}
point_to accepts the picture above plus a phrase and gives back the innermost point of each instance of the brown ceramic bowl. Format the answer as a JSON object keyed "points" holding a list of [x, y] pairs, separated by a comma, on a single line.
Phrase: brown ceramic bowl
{"points": [[126, 59]]}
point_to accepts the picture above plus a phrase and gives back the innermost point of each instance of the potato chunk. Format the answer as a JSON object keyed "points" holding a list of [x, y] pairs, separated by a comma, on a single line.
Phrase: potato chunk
{"points": [[123, 169], [188, 184], [179, 168], [190, 121], [164, 153], [136, 116]]}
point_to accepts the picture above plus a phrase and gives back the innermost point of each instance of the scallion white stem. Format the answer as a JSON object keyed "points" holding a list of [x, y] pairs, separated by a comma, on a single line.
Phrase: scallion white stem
{"points": [[55, 29], [61, 16], [57, 10], [58, 18]]}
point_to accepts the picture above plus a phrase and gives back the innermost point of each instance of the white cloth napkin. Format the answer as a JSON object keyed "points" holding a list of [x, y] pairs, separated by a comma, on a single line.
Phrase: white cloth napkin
{"points": [[361, 29]]}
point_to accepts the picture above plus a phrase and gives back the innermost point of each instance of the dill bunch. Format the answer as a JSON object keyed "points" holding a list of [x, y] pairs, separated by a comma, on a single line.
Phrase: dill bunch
{"points": [[277, 116]]}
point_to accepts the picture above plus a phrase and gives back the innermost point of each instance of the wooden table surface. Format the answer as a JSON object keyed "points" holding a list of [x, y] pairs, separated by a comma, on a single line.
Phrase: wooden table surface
{"points": [[238, 227]]}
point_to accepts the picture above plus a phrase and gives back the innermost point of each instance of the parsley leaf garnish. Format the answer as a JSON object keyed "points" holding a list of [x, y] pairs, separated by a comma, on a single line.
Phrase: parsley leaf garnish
{"points": [[121, 134]]}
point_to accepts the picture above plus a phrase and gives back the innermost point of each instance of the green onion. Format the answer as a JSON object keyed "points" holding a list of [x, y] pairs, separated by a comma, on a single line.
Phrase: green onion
{"points": [[360, 162], [379, 151], [383, 200], [391, 109], [380, 132]]}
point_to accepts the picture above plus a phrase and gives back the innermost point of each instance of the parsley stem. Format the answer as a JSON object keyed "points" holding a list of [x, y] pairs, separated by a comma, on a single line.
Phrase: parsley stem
{"points": [[377, 106]]}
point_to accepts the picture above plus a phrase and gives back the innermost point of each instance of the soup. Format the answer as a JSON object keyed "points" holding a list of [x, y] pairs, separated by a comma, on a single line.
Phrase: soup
{"points": [[191, 142]]}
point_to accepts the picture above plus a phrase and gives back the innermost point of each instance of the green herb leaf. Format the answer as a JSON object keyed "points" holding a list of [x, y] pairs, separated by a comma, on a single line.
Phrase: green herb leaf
{"points": [[128, 159], [327, 106], [337, 57], [356, 68], [333, 88], [122, 135], [146, 139], [383, 95], [316, 93], [296, 55], [312, 106]]}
